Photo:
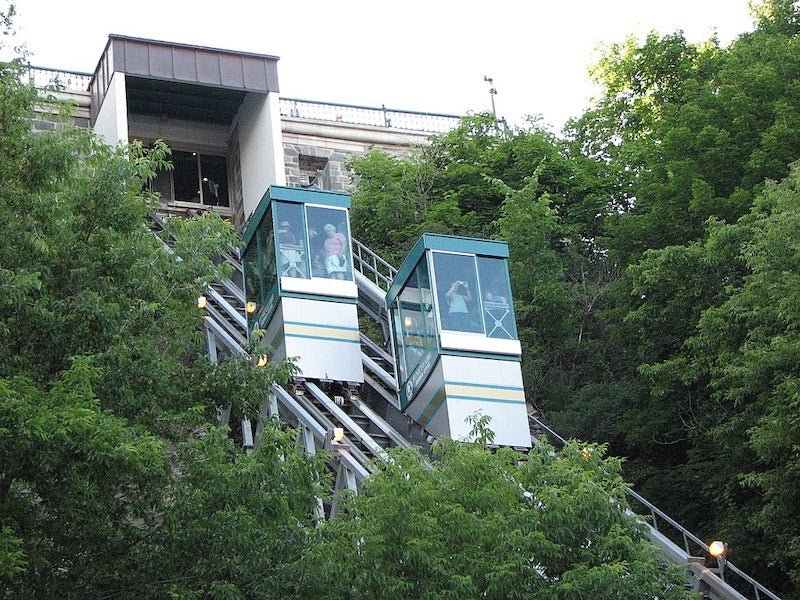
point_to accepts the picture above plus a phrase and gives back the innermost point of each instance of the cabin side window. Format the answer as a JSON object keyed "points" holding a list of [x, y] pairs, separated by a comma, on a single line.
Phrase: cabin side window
{"points": [[329, 243], [498, 311], [292, 247], [414, 319], [457, 292]]}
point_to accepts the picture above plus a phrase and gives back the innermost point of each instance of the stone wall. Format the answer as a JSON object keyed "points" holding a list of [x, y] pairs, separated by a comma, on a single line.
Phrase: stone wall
{"points": [[316, 152], [308, 166]]}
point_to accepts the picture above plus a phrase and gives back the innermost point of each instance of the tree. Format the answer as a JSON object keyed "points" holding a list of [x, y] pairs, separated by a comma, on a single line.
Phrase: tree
{"points": [[693, 133], [693, 129], [114, 480], [738, 363], [479, 524]]}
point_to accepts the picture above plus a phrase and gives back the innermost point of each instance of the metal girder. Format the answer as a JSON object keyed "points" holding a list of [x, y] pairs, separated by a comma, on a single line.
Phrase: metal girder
{"points": [[348, 422]]}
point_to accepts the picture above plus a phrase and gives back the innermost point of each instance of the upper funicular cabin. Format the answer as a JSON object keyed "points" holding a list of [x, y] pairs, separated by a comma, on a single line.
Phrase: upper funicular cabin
{"points": [[298, 273]]}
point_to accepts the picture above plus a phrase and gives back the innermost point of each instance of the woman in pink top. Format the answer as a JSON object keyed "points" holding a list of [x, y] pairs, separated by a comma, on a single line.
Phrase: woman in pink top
{"points": [[334, 253]]}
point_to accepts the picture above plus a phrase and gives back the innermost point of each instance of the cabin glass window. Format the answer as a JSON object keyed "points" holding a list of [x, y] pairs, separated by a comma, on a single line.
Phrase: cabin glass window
{"points": [[329, 243], [293, 259], [415, 321], [458, 292], [258, 263], [498, 310]]}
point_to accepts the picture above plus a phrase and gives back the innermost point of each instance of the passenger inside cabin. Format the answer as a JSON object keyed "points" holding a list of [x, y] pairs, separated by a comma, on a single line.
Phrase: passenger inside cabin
{"points": [[334, 253], [491, 297], [457, 312], [285, 235]]}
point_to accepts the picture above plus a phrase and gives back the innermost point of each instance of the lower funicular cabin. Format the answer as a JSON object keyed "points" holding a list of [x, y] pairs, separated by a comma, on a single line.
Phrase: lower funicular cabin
{"points": [[455, 339], [299, 282]]}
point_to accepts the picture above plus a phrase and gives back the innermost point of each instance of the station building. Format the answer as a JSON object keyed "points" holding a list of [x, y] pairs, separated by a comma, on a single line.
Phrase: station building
{"points": [[231, 133]]}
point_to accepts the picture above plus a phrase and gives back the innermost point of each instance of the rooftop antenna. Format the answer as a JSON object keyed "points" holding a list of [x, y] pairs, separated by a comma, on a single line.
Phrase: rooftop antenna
{"points": [[492, 91]]}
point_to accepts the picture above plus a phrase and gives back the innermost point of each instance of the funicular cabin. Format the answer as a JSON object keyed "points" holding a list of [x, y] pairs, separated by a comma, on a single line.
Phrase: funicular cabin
{"points": [[299, 278], [455, 339]]}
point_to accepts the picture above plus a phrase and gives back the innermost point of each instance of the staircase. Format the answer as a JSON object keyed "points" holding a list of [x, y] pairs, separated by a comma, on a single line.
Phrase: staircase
{"points": [[372, 421]]}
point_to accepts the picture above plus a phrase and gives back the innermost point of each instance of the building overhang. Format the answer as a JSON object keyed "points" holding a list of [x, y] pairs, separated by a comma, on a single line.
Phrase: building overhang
{"points": [[180, 80]]}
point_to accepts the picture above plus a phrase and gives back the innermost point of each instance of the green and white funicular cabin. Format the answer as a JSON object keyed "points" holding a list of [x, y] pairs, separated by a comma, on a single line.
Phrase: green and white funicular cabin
{"points": [[455, 339], [298, 272]]}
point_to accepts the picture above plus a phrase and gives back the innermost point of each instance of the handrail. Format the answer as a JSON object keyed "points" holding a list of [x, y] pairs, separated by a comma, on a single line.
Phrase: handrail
{"points": [[73, 81], [373, 266], [687, 535], [379, 388], [373, 347], [233, 289], [308, 421], [225, 305], [226, 325], [410, 120], [381, 424], [424, 122], [230, 343], [311, 420], [385, 378], [344, 418]]}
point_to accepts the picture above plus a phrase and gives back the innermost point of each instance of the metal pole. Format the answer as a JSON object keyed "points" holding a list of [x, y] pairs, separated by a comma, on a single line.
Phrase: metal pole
{"points": [[492, 92]]}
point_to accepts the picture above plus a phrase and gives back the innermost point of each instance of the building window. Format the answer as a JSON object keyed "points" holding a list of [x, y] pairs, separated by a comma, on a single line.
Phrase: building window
{"points": [[310, 168], [195, 178]]}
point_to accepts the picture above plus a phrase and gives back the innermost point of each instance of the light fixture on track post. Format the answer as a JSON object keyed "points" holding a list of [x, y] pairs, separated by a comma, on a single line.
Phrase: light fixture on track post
{"points": [[492, 93], [719, 550]]}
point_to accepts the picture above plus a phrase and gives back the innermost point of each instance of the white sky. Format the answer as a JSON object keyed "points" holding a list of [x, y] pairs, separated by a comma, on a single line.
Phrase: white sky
{"points": [[415, 55]]}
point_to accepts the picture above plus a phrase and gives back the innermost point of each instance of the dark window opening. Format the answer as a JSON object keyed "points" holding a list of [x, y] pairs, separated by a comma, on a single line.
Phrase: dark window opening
{"points": [[310, 167], [185, 175], [195, 178]]}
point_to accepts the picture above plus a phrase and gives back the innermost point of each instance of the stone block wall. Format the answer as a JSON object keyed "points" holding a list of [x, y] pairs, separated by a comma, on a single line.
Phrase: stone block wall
{"points": [[315, 166]]}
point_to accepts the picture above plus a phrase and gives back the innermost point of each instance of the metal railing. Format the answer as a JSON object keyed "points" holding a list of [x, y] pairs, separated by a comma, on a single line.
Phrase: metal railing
{"points": [[67, 81], [368, 115], [690, 541], [424, 122], [372, 266]]}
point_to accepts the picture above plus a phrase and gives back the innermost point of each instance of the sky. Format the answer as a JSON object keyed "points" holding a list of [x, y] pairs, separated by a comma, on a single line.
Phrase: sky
{"points": [[425, 55]]}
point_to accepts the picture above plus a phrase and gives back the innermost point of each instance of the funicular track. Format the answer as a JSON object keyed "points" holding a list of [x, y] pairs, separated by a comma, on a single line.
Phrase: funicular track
{"points": [[372, 421]]}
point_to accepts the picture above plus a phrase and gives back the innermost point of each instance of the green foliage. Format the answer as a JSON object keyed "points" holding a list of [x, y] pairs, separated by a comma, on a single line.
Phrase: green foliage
{"points": [[114, 480], [488, 525], [236, 521], [78, 485], [694, 129], [240, 384], [652, 268], [715, 329]]}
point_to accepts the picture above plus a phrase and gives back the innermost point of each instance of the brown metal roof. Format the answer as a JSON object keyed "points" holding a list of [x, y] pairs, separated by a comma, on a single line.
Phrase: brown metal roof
{"points": [[184, 66]]}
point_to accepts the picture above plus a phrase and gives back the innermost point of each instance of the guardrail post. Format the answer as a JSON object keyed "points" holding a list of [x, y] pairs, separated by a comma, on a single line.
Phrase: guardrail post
{"points": [[655, 520]]}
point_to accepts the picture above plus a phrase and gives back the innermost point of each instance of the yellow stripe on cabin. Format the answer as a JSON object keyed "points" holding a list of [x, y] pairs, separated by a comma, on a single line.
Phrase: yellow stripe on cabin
{"points": [[349, 335], [479, 391]]}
